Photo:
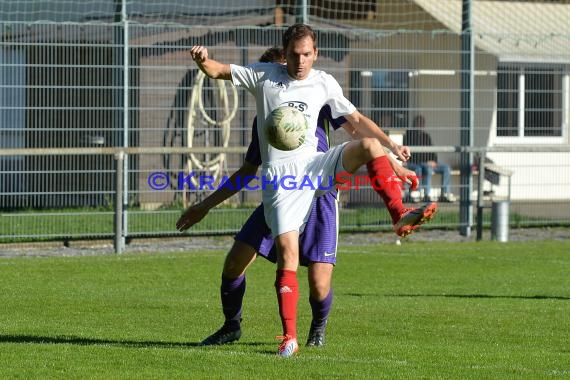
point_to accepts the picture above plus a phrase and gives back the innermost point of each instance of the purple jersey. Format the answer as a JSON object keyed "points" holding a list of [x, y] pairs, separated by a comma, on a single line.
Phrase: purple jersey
{"points": [[318, 241]]}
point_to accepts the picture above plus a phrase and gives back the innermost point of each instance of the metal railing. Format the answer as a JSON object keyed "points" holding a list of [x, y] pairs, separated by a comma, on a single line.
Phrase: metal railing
{"points": [[121, 207]]}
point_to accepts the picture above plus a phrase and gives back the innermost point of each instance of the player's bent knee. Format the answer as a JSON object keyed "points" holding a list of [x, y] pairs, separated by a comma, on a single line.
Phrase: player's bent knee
{"points": [[370, 148], [360, 152]]}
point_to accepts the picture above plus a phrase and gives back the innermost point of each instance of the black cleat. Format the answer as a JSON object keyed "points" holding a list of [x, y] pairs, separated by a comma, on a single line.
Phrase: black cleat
{"points": [[316, 336], [223, 336]]}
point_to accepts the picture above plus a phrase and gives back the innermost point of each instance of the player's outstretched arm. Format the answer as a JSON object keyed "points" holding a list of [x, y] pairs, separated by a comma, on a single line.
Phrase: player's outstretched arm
{"points": [[191, 216], [198, 211], [210, 67]]}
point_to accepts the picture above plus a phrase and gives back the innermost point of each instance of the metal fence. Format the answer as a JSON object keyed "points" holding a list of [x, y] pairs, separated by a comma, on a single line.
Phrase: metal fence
{"points": [[95, 75], [123, 219]]}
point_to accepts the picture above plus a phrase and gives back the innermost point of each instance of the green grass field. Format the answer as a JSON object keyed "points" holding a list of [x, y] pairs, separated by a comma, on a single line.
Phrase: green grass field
{"points": [[420, 310]]}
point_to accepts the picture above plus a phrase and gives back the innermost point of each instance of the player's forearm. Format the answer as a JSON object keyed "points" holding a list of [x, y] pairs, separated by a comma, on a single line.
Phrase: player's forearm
{"points": [[378, 133], [210, 67], [364, 127], [234, 184], [215, 69], [217, 197]]}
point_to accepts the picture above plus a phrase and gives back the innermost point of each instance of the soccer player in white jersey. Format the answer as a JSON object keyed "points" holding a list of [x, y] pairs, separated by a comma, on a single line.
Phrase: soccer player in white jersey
{"points": [[317, 243], [286, 210]]}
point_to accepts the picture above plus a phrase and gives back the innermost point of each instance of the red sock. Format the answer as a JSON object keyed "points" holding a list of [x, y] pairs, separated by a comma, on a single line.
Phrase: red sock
{"points": [[287, 288], [380, 171]]}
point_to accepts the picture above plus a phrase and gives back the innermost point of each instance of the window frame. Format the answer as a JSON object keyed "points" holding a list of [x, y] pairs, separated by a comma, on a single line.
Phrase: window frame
{"points": [[521, 91]]}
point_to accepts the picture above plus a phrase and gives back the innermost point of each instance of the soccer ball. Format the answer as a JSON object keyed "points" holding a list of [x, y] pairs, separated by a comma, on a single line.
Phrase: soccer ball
{"points": [[286, 128]]}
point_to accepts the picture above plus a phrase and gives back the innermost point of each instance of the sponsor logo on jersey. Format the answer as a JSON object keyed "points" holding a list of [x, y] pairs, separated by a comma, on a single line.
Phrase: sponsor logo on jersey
{"points": [[301, 106]]}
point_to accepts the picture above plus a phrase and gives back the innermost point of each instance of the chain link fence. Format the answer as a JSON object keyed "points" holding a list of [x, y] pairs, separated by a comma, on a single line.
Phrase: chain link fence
{"points": [[96, 75]]}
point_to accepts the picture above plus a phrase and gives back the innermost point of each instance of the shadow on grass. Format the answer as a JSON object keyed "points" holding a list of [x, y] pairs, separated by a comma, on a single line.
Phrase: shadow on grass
{"points": [[535, 297], [95, 341], [89, 341]]}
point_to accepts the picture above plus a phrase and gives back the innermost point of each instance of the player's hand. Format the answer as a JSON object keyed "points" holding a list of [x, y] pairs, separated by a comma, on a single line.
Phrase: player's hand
{"points": [[407, 175], [199, 53], [402, 152], [191, 216]]}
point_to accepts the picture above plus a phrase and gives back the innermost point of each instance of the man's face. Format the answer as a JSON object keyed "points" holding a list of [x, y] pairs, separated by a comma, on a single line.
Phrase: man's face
{"points": [[300, 56]]}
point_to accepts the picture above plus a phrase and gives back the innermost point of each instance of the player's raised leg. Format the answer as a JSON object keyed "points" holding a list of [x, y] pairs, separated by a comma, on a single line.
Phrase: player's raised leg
{"points": [[369, 151]]}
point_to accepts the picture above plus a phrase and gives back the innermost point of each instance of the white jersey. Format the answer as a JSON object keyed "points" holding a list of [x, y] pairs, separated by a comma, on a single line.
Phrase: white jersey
{"points": [[273, 88]]}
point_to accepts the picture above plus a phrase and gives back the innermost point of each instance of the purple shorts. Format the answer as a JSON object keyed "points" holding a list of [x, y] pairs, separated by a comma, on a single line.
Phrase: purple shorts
{"points": [[317, 243]]}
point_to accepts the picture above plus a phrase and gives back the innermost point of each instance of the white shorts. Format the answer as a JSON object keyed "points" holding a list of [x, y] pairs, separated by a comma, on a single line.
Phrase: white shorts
{"points": [[291, 184]]}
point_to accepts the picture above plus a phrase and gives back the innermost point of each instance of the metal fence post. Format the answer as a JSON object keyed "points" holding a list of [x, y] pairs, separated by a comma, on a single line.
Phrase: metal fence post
{"points": [[467, 114], [126, 116], [480, 194], [119, 240]]}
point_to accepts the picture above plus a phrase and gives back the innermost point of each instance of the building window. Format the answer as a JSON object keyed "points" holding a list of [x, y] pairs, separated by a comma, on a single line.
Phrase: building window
{"points": [[529, 101]]}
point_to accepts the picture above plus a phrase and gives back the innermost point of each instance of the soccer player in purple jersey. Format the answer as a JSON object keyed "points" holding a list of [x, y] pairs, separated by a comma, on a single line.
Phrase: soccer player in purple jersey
{"points": [[287, 210]]}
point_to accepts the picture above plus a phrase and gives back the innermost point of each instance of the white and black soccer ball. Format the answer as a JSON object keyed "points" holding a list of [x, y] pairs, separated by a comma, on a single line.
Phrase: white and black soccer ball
{"points": [[286, 128]]}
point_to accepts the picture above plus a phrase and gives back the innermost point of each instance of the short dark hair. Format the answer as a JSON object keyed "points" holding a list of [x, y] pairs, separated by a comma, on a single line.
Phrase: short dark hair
{"points": [[273, 54], [297, 32]]}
